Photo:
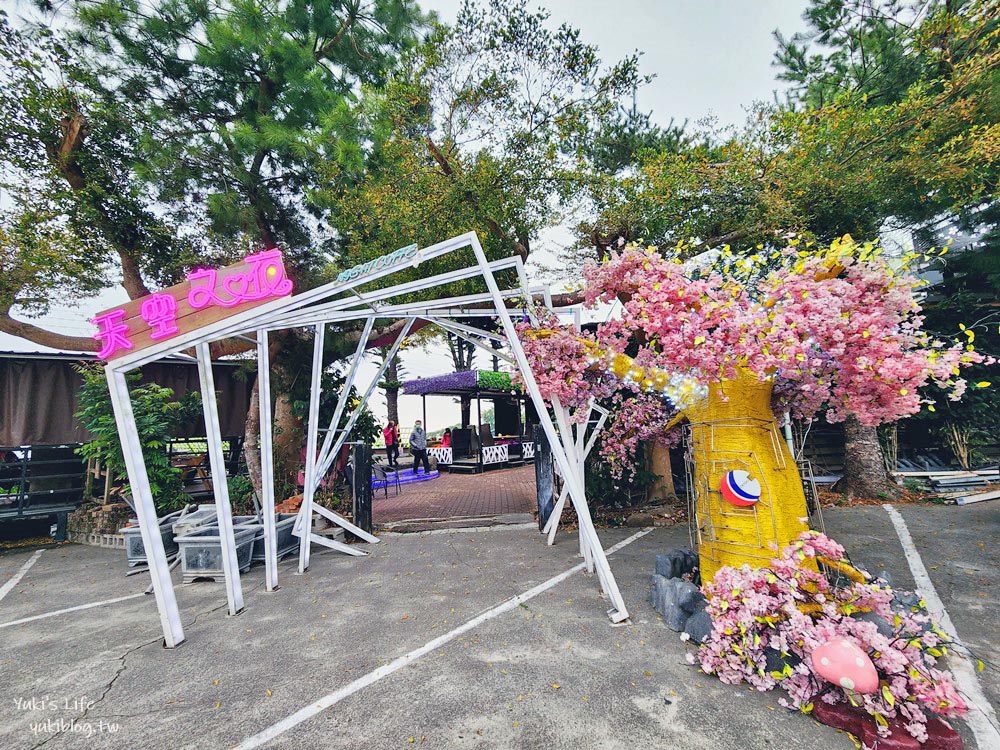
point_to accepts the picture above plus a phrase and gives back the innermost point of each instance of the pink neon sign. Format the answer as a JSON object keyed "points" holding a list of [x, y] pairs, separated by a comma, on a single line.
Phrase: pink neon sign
{"points": [[160, 312], [113, 333], [264, 277]]}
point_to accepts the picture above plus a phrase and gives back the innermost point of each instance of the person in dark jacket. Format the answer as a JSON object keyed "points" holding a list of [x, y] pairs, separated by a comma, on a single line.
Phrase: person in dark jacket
{"points": [[418, 447]]}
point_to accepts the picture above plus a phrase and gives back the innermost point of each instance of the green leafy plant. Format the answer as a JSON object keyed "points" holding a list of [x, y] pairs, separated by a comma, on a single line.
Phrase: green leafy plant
{"points": [[495, 381], [366, 427], [241, 494], [608, 491], [158, 417]]}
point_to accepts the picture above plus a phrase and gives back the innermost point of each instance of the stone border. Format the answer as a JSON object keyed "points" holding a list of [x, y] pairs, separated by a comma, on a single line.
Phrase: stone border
{"points": [[105, 541]]}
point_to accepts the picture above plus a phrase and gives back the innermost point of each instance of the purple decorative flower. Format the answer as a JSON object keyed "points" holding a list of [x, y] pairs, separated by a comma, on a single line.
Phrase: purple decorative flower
{"points": [[466, 381]]}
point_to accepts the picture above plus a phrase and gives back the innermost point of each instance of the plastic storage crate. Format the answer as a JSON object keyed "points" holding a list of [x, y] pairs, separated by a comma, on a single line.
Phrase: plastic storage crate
{"points": [[201, 552], [135, 551], [192, 521]]}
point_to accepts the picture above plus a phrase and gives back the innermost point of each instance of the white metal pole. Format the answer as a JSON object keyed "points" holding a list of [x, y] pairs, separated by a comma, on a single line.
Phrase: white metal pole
{"points": [[618, 612], [145, 509], [324, 466], [581, 431], [788, 434], [266, 461], [552, 524], [224, 514], [315, 386], [341, 402], [571, 437]]}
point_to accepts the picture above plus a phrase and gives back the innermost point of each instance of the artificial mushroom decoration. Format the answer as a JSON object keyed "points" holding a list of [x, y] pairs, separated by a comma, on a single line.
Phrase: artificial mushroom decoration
{"points": [[843, 663]]}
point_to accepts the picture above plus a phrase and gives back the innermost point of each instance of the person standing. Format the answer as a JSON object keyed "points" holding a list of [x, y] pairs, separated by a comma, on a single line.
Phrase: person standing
{"points": [[418, 447], [391, 435]]}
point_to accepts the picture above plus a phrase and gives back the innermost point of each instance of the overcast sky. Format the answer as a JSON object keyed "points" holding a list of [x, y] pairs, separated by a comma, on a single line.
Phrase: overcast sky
{"points": [[711, 58]]}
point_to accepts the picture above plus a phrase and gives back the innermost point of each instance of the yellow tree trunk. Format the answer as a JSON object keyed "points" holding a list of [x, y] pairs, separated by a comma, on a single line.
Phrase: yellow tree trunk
{"points": [[734, 429]]}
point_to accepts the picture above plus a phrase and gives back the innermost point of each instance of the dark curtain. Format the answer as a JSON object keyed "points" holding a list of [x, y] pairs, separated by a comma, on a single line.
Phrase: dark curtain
{"points": [[38, 398]]}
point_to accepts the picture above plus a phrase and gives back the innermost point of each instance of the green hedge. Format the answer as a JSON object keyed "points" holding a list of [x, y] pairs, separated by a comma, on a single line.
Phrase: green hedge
{"points": [[496, 381]]}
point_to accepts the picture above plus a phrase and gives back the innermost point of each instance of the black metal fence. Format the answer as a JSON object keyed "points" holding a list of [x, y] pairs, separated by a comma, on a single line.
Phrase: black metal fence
{"points": [[40, 480]]}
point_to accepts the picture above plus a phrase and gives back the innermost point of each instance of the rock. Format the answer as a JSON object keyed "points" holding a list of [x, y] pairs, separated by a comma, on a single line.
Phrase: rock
{"points": [[775, 662], [664, 566], [690, 561], [688, 596], [680, 592], [657, 592], [639, 520], [884, 628], [676, 563], [681, 565], [663, 593], [699, 626], [906, 599], [676, 618]]}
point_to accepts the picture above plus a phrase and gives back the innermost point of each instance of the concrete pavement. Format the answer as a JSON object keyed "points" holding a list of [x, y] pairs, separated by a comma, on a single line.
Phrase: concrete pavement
{"points": [[551, 673]]}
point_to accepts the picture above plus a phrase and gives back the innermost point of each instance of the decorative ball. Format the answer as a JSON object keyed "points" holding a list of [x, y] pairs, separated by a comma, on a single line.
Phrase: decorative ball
{"points": [[740, 489], [843, 663]]}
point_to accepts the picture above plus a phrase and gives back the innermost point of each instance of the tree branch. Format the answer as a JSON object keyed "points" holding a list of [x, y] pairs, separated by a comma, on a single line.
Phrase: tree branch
{"points": [[39, 335], [63, 155]]}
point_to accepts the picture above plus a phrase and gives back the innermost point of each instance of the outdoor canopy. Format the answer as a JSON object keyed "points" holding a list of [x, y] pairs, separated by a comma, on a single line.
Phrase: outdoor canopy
{"points": [[338, 302]]}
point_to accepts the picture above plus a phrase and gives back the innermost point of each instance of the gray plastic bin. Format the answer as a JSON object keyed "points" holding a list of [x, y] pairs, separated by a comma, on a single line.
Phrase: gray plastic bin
{"points": [[135, 550], [205, 515], [284, 522], [201, 552]]}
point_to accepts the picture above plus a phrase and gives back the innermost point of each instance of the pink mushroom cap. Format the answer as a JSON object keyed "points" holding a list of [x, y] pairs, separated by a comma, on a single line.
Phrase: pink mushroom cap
{"points": [[843, 663]]}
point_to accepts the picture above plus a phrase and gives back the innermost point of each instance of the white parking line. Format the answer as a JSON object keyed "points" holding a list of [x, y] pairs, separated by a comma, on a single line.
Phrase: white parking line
{"points": [[982, 719], [387, 669], [68, 610], [9, 586]]}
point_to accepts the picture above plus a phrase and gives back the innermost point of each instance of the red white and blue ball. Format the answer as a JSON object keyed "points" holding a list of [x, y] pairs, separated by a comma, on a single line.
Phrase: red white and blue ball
{"points": [[740, 489]]}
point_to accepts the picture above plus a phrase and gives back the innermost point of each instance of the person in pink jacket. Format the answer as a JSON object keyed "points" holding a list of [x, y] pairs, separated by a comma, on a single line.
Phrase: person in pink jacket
{"points": [[391, 435]]}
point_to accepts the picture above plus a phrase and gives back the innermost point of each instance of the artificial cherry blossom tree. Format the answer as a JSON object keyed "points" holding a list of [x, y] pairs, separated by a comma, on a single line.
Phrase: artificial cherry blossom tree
{"points": [[835, 330]]}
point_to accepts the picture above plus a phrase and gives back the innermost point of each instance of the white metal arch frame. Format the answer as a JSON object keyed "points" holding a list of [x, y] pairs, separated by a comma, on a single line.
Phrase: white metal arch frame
{"points": [[336, 302]]}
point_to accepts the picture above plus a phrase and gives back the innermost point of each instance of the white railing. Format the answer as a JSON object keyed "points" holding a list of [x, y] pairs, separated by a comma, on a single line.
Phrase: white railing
{"points": [[495, 454], [527, 450], [443, 455]]}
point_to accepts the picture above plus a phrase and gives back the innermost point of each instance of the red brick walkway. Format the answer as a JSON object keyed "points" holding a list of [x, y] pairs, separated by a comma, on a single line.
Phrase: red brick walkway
{"points": [[492, 493]]}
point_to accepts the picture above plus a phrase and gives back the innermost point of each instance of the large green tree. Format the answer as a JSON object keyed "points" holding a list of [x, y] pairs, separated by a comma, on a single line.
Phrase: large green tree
{"points": [[210, 123], [73, 207], [927, 74], [491, 125]]}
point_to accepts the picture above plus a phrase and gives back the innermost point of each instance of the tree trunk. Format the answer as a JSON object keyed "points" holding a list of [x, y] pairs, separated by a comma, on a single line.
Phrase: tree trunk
{"points": [[957, 439], [734, 429], [662, 490], [466, 411], [392, 390], [37, 335], [251, 441], [289, 437], [865, 474]]}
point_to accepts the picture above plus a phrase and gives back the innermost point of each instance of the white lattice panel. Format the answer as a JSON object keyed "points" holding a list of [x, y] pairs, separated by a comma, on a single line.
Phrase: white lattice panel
{"points": [[528, 450], [495, 454], [443, 455]]}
